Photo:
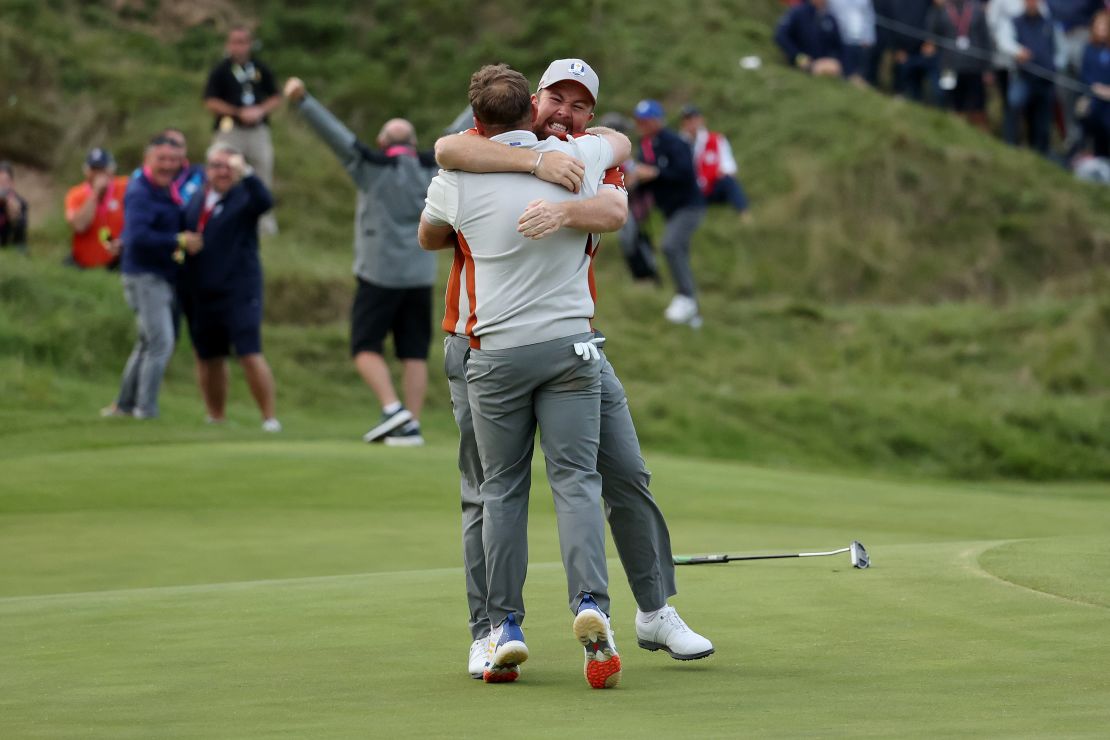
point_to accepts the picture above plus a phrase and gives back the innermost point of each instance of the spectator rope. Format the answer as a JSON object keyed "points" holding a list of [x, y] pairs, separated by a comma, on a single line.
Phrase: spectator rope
{"points": [[1059, 78]]}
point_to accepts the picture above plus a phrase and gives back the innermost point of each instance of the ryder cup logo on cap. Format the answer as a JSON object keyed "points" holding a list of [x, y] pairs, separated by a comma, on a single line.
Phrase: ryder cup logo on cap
{"points": [[574, 70]]}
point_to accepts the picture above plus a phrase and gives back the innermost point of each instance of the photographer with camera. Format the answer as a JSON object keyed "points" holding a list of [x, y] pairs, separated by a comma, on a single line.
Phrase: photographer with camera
{"points": [[13, 211]]}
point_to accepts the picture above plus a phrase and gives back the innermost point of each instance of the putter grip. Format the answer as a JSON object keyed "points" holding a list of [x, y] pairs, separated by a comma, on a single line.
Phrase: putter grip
{"points": [[700, 560]]}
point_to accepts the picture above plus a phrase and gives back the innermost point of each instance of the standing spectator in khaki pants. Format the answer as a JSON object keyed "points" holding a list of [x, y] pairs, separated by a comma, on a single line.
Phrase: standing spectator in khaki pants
{"points": [[241, 93]]}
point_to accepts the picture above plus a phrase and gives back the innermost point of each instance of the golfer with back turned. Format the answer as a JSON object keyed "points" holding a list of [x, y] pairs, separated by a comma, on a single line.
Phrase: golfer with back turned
{"points": [[529, 328]]}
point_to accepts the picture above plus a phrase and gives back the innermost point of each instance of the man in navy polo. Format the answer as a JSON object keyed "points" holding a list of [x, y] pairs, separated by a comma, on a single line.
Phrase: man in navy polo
{"points": [[1040, 51], [666, 170], [154, 242], [221, 287]]}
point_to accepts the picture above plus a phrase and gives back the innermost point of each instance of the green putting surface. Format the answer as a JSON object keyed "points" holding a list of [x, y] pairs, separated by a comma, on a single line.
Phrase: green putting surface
{"points": [[314, 589]]}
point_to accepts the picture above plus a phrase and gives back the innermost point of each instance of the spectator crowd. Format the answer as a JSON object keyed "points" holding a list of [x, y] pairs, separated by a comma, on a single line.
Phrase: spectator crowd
{"points": [[1045, 62]]}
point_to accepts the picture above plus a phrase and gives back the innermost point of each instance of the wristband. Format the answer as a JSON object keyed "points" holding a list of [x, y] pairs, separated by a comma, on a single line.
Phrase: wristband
{"points": [[181, 240], [536, 166]]}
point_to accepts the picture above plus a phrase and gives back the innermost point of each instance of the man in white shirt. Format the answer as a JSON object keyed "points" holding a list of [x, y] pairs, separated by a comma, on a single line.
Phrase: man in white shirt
{"points": [[528, 309], [713, 160]]}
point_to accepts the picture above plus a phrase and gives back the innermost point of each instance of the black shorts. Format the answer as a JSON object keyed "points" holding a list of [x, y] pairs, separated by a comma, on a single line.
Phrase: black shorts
{"points": [[220, 323], [970, 94], [406, 312]]}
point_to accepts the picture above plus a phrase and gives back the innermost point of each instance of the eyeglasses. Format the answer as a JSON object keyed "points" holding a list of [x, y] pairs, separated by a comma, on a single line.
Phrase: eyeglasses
{"points": [[218, 166]]}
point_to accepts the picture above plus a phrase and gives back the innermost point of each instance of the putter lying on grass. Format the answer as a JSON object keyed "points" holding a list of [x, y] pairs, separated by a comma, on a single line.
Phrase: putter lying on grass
{"points": [[857, 552]]}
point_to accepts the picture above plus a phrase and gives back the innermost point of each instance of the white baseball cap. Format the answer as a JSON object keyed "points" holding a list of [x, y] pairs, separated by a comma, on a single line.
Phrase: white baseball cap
{"points": [[574, 70]]}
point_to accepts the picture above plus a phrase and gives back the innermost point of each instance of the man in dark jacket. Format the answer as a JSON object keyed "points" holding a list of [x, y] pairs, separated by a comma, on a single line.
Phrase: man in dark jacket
{"points": [[965, 59], [915, 58], [666, 170], [1039, 54], [221, 287], [154, 243], [13, 211], [810, 39], [1073, 19]]}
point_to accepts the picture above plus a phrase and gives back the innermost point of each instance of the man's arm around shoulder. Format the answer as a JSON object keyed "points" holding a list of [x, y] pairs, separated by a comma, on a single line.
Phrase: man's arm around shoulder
{"points": [[472, 153], [618, 142]]}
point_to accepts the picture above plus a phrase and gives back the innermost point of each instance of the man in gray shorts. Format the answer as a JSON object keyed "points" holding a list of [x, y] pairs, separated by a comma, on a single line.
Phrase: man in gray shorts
{"points": [[529, 331], [565, 102]]}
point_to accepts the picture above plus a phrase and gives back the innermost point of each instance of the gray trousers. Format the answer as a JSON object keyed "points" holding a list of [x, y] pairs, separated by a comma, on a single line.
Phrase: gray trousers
{"points": [[511, 393], [151, 298], [677, 235], [639, 529]]}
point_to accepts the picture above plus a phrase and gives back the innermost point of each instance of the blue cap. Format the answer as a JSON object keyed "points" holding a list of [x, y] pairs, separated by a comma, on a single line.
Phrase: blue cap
{"points": [[648, 109], [99, 159]]}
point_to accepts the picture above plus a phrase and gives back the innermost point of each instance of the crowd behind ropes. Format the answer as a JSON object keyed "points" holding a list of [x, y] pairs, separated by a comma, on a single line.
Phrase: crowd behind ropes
{"points": [[1043, 65]]}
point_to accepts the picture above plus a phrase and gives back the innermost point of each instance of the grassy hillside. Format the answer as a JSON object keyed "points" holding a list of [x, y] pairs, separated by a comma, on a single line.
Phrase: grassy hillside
{"points": [[912, 295]]}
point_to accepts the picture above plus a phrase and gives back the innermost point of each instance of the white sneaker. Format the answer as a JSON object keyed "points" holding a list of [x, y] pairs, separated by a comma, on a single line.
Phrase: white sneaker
{"points": [[682, 310], [388, 423], [271, 425], [405, 436], [479, 654], [667, 631], [505, 653]]}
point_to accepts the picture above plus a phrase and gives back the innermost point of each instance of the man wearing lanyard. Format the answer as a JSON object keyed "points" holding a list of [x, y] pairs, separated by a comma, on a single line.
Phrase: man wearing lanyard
{"points": [[241, 93], [221, 286], [965, 59]]}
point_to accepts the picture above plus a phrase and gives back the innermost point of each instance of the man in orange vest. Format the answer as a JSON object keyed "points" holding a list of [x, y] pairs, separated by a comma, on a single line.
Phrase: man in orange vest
{"points": [[715, 165], [94, 210]]}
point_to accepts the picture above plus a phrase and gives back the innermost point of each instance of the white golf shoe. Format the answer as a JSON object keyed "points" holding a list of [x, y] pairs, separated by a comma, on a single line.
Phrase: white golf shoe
{"points": [[683, 310], [667, 631], [479, 654]]}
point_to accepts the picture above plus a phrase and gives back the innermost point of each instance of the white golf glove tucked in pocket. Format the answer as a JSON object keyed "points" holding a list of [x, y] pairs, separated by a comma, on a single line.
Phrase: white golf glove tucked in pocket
{"points": [[588, 350]]}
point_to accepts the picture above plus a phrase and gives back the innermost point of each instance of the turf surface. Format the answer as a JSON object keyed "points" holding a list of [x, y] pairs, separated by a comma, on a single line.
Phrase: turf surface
{"points": [[297, 588]]}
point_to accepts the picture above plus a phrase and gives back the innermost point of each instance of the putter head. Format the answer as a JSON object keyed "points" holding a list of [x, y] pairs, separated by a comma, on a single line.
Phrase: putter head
{"points": [[858, 554]]}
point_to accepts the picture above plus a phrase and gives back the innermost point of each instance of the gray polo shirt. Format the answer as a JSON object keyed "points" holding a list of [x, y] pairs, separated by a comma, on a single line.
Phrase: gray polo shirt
{"points": [[391, 189], [507, 290]]}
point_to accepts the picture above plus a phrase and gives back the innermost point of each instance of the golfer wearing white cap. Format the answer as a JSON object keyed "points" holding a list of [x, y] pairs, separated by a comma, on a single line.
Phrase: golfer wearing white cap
{"points": [[565, 103]]}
